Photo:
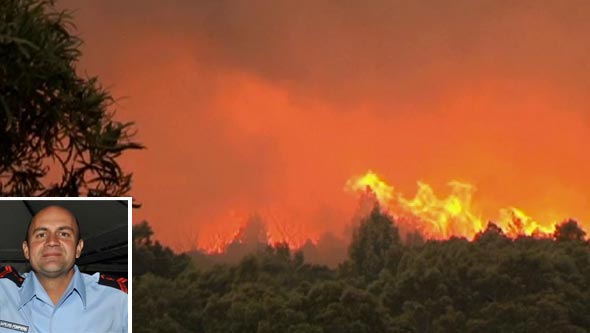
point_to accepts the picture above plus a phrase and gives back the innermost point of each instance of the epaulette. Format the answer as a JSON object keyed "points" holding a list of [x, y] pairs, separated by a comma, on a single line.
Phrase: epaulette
{"points": [[7, 272], [117, 283]]}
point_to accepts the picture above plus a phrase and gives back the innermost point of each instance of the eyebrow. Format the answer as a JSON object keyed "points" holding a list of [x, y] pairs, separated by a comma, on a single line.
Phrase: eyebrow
{"points": [[58, 229]]}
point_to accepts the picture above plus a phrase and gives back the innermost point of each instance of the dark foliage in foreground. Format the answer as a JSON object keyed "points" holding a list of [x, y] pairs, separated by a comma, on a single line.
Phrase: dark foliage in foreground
{"points": [[58, 136], [492, 284]]}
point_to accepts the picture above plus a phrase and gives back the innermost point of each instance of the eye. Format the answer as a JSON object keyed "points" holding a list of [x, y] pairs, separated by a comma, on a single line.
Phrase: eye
{"points": [[40, 235], [63, 234]]}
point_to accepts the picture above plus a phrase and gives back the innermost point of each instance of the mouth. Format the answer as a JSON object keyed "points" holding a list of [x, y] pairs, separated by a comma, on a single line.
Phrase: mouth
{"points": [[49, 255]]}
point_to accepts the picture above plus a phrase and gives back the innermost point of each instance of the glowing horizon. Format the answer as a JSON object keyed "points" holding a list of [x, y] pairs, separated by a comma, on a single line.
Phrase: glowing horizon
{"points": [[270, 109], [430, 216]]}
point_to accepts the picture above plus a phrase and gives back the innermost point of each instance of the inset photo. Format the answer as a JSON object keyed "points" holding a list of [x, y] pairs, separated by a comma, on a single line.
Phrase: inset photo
{"points": [[66, 259]]}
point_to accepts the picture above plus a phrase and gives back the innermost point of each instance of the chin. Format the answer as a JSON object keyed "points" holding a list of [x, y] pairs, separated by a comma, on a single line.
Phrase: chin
{"points": [[52, 268]]}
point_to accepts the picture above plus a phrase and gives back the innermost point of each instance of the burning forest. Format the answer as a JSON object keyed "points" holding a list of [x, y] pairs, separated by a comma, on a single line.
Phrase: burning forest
{"points": [[257, 113], [410, 265], [426, 216]]}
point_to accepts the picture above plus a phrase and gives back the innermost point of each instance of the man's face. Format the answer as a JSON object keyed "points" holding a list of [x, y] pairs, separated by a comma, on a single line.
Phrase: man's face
{"points": [[53, 246]]}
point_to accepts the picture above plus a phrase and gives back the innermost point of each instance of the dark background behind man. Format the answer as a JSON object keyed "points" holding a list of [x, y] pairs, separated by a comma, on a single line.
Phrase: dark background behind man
{"points": [[103, 224]]}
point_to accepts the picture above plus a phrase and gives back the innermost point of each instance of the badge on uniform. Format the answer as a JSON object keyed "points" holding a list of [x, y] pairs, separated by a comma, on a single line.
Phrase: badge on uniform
{"points": [[14, 326]]}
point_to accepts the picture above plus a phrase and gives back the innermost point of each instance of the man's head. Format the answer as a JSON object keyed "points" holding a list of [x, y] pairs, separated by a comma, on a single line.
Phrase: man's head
{"points": [[53, 242]]}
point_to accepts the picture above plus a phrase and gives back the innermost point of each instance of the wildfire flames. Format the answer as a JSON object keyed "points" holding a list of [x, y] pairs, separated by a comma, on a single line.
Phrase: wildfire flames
{"points": [[431, 216], [256, 232], [438, 218]]}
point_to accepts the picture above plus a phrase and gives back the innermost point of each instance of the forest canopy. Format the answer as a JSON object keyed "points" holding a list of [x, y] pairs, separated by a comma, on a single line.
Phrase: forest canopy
{"points": [[490, 284]]}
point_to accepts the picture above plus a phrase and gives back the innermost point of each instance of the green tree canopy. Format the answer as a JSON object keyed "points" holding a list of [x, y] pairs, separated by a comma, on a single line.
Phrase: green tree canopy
{"points": [[375, 245], [153, 257], [491, 284], [57, 133]]}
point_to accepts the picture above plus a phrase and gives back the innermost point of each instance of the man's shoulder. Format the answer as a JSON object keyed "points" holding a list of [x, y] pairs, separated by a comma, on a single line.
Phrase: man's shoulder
{"points": [[8, 273], [106, 282], [119, 283]]}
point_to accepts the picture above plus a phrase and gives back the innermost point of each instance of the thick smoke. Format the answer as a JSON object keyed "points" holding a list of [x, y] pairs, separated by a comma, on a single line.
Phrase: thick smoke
{"points": [[245, 105]]}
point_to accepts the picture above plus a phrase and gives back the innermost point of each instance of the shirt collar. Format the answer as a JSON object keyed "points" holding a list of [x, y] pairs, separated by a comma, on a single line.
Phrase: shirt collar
{"points": [[33, 288]]}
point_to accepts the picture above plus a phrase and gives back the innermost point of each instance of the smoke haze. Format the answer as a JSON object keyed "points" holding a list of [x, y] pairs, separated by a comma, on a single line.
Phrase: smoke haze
{"points": [[270, 107]]}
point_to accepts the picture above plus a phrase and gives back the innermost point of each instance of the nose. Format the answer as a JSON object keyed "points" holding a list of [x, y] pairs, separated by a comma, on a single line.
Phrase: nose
{"points": [[51, 240]]}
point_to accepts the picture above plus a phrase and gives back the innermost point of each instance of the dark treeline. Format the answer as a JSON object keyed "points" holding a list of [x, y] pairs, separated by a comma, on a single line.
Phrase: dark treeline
{"points": [[491, 284]]}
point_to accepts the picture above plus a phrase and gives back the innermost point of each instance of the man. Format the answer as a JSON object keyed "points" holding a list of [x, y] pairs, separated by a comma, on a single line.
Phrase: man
{"points": [[55, 296]]}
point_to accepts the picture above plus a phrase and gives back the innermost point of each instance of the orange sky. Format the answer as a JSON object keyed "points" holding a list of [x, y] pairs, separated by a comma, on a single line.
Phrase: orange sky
{"points": [[259, 106]]}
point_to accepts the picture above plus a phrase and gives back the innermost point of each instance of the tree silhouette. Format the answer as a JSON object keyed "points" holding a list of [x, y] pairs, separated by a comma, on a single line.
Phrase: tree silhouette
{"points": [[569, 230], [152, 257], [57, 133], [375, 245]]}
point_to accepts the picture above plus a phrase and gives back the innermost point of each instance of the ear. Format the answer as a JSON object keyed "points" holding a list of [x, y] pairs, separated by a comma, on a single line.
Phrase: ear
{"points": [[26, 249], [79, 248]]}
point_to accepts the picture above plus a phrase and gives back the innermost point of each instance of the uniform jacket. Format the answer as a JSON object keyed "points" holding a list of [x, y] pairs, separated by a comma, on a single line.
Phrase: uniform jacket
{"points": [[91, 304]]}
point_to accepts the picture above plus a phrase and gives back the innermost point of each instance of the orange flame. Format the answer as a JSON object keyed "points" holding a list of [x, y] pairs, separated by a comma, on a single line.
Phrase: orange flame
{"points": [[437, 218], [259, 230], [219, 242], [382, 191], [515, 222], [433, 217]]}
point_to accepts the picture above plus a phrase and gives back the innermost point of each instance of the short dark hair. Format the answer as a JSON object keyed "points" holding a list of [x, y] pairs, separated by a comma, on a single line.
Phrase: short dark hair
{"points": [[33, 217]]}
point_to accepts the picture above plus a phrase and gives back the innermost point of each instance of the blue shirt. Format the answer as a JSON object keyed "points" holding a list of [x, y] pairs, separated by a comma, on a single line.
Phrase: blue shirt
{"points": [[85, 306]]}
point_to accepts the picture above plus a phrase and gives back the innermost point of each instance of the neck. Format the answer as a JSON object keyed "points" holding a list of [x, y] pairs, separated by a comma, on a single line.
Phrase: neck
{"points": [[55, 286]]}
